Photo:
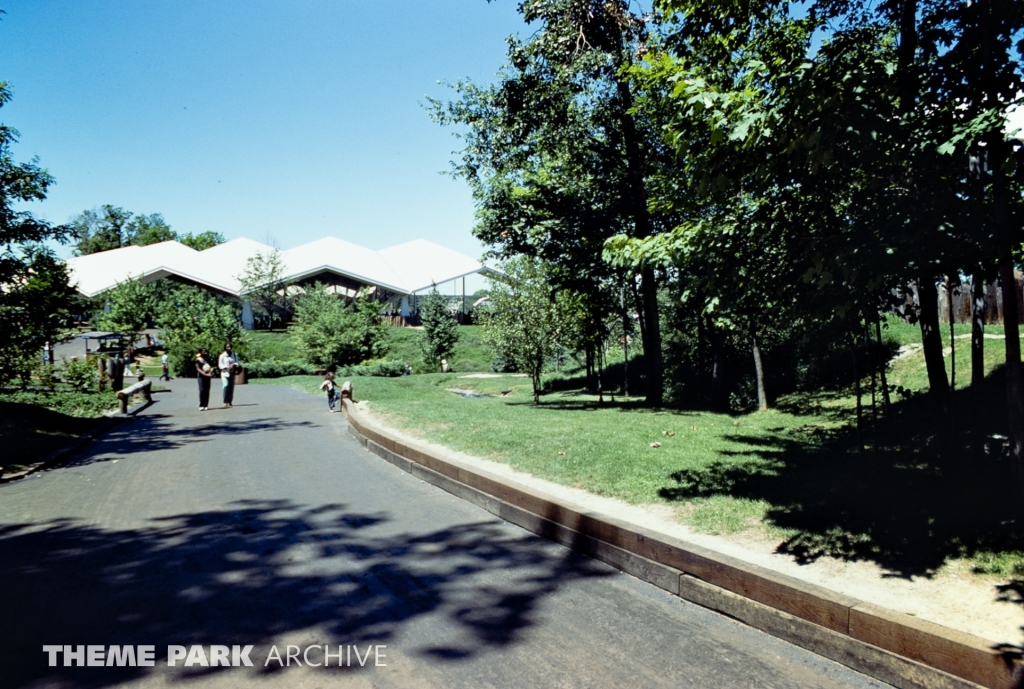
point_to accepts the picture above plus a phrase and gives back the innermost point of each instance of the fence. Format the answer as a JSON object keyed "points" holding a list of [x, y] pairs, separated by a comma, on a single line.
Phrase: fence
{"points": [[963, 296]]}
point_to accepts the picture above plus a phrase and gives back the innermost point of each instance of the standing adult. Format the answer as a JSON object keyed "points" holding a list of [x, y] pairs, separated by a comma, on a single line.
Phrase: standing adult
{"points": [[228, 365], [204, 372], [165, 364]]}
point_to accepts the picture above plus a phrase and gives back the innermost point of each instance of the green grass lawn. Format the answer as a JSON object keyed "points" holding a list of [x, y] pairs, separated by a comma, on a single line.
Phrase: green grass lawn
{"points": [[898, 495]]}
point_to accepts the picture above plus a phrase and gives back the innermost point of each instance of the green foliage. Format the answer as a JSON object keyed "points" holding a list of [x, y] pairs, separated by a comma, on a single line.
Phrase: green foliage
{"points": [[261, 283], [525, 321], [35, 304], [331, 333], [404, 344], [191, 319], [75, 403], [202, 240], [440, 330], [35, 298], [128, 309], [100, 229], [383, 368], [272, 368], [81, 375], [143, 230]]}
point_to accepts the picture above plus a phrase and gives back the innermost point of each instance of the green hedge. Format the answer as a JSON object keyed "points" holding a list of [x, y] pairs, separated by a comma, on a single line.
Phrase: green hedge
{"points": [[272, 368]]}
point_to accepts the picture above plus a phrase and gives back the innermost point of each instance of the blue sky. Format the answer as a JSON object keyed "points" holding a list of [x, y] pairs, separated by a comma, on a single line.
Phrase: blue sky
{"points": [[295, 120]]}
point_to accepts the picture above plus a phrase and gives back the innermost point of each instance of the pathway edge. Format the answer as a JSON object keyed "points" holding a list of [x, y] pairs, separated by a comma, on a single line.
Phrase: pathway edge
{"points": [[885, 644]]}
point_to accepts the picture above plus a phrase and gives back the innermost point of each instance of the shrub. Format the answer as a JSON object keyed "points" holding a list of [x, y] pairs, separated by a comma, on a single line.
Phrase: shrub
{"points": [[383, 368], [440, 330], [79, 374], [332, 333], [468, 366], [192, 319], [272, 368]]}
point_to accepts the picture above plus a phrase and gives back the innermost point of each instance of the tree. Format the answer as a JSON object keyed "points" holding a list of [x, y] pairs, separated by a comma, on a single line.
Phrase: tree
{"points": [[143, 230], [558, 161], [332, 333], [262, 283], [127, 309], [35, 298], [191, 319], [36, 302], [525, 319], [100, 229], [202, 241], [440, 330]]}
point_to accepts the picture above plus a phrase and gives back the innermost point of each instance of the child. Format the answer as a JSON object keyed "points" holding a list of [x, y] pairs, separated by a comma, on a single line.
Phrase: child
{"points": [[331, 389]]}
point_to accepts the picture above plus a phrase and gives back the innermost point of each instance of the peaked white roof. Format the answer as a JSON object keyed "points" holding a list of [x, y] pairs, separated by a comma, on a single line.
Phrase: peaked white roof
{"points": [[406, 268]]}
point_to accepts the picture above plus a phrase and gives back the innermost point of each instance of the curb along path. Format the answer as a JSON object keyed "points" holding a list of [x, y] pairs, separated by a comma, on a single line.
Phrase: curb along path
{"points": [[885, 644]]}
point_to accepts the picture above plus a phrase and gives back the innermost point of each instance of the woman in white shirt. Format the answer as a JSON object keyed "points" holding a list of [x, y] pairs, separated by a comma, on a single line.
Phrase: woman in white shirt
{"points": [[228, 365]]}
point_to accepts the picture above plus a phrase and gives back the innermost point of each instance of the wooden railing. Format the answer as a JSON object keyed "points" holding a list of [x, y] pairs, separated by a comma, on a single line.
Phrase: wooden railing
{"points": [[143, 387]]}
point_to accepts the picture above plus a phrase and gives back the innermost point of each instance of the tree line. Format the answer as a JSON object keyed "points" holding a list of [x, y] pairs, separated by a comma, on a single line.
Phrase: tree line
{"points": [[769, 173]]}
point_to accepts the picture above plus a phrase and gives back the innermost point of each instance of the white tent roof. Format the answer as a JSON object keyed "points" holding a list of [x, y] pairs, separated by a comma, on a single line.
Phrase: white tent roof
{"points": [[406, 268]]}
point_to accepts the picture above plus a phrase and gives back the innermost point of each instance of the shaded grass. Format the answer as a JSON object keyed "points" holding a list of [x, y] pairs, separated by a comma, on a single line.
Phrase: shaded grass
{"points": [[29, 430]]}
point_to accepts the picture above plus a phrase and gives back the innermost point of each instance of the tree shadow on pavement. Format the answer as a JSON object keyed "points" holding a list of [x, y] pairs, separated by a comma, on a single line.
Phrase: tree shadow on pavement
{"points": [[155, 432], [256, 571]]}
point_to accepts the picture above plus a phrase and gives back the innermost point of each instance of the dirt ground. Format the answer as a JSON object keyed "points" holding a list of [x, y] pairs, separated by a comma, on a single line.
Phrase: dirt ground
{"points": [[954, 597]]}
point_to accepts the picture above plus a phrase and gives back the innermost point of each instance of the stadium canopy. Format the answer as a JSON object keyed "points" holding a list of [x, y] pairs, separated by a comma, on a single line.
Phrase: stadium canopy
{"points": [[400, 270]]}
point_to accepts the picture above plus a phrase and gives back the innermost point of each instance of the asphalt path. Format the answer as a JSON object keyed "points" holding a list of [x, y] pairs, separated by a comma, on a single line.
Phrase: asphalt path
{"points": [[268, 525]]}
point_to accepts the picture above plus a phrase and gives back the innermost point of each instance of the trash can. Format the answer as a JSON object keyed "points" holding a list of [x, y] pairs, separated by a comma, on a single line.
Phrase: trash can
{"points": [[240, 377]]}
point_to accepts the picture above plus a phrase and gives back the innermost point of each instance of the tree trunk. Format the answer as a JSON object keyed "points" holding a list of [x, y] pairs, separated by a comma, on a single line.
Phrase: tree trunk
{"points": [[977, 332], [931, 339], [886, 400], [762, 397], [856, 387], [952, 334], [636, 171], [652, 342], [1014, 379], [715, 339]]}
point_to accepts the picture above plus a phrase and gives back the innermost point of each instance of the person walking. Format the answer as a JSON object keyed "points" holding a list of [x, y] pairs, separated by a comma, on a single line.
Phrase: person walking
{"points": [[228, 365], [204, 372], [331, 388], [165, 364]]}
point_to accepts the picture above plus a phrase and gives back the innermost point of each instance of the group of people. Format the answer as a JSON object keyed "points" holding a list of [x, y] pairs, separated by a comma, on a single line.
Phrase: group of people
{"points": [[227, 364]]}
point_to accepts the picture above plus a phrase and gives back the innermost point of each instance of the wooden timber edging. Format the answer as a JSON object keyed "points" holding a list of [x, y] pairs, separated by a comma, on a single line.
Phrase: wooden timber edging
{"points": [[888, 645]]}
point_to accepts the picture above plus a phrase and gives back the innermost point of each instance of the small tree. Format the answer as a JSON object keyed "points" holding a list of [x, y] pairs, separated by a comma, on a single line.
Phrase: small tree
{"points": [[332, 333], [262, 283], [525, 320], [192, 319], [440, 330], [129, 308]]}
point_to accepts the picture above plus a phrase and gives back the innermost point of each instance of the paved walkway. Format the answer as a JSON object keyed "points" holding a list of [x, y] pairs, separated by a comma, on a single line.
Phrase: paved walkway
{"points": [[268, 525]]}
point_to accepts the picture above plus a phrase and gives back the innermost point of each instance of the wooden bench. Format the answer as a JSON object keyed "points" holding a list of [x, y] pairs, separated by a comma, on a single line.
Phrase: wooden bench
{"points": [[143, 387]]}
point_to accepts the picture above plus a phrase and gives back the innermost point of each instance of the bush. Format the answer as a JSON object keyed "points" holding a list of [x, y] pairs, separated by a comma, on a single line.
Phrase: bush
{"points": [[79, 374], [70, 402], [272, 368], [192, 319], [384, 368], [468, 366], [331, 333]]}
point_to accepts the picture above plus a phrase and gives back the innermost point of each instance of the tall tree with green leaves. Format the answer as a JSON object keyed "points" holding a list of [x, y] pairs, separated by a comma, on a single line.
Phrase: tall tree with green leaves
{"points": [[440, 330], [100, 229], [35, 297], [557, 159]]}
